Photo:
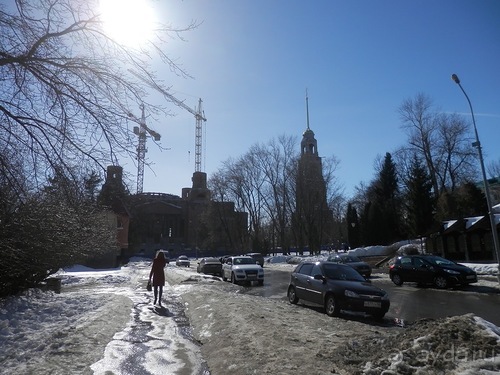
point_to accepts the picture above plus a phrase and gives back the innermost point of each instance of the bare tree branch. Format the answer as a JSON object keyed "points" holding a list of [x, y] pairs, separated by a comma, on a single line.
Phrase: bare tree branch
{"points": [[65, 86]]}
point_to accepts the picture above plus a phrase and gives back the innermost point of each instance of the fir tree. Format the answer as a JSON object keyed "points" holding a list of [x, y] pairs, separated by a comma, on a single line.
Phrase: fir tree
{"points": [[419, 200]]}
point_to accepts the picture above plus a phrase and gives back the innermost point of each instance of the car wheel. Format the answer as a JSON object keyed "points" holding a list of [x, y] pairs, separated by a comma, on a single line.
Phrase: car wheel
{"points": [[292, 296], [331, 306], [261, 282], [233, 279], [441, 282], [396, 279]]}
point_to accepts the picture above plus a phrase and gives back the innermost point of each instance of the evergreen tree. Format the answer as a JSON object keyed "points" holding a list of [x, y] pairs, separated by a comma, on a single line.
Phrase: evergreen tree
{"points": [[446, 207], [386, 211], [467, 200], [419, 200], [377, 226], [353, 226], [91, 183], [470, 201]]}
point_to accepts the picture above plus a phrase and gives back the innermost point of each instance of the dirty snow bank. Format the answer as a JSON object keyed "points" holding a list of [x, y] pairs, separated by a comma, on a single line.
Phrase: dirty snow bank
{"points": [[457, 345]]}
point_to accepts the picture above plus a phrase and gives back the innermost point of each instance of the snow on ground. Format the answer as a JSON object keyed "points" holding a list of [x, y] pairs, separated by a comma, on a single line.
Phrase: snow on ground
{"points": [[103, 322]]}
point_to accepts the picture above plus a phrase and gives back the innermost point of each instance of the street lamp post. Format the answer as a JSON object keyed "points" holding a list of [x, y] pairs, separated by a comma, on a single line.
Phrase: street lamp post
{"points": [[477, 144]]}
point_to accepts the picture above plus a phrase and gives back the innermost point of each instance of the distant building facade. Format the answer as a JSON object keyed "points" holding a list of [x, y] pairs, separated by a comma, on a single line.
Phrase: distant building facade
{"points": [[313, 219], [191, 224], [113, 196], [467, 239]]}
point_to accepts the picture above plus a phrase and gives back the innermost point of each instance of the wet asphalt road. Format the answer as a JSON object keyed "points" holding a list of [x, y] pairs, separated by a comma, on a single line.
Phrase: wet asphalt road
{"points": [[408, 302]]}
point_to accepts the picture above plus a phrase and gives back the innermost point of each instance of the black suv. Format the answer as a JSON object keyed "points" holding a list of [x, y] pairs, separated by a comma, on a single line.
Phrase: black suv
{"points": [[258, 257], [430, 269]]}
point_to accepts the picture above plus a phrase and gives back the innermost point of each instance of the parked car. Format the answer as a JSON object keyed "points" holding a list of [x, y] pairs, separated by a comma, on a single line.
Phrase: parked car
{"points": [[183, 261], [353, 261], [242, 268], [430, 269], [258, 257], [209, 266], [336, 287]]}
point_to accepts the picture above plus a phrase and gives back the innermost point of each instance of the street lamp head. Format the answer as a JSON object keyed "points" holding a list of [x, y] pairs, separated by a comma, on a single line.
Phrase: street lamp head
{"points": [[455, 78]]}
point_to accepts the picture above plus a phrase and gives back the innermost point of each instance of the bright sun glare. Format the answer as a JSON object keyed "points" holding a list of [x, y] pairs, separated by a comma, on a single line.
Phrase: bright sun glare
{"points": [[130, 22]]}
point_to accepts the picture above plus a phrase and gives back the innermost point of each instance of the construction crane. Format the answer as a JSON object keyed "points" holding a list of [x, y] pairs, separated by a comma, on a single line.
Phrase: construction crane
{"points": [[141, 131], [198, 113]]}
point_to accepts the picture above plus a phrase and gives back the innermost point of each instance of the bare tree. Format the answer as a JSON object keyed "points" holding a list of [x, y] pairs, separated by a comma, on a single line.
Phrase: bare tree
{"points": [[66, 88], [279, 165], [442, 141], [417, 118], [494, 168], [66, 92], [263, 183]]}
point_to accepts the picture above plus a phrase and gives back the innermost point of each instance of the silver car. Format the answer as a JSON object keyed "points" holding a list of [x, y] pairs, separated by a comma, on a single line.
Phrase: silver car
{"points": [[183, 261], [242, 269]]}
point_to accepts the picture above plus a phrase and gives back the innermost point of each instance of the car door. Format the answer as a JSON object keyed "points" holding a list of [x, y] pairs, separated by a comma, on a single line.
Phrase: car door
{"points": [[423, 272], [406, 269], [300, 280], [316, 286]]}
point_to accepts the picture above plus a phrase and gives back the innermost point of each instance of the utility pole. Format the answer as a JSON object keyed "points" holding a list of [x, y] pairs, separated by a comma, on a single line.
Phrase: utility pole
{"points": [[477, 144]]}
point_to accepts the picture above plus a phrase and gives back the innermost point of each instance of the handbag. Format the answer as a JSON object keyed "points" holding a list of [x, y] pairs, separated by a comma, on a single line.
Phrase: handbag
{"points": [[149, 287]]}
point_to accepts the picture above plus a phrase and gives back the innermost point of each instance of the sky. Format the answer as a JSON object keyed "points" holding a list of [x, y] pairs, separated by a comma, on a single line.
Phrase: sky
{"points": [[251, 62]]}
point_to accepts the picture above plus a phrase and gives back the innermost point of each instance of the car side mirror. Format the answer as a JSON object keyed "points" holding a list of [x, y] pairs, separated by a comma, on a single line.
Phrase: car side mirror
{"points": [[320, 277]]}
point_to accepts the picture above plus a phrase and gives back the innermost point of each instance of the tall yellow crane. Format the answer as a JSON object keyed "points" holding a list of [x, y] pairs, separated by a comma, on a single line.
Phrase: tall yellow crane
{"points": [[198, 113]]}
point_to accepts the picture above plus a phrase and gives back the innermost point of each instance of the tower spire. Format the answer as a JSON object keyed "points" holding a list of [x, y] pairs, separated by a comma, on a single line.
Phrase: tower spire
{"points": [[307, 109]]}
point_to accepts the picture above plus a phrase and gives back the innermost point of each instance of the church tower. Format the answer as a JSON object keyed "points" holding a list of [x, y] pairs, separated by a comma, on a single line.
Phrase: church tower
{"points": [[313, 218]]}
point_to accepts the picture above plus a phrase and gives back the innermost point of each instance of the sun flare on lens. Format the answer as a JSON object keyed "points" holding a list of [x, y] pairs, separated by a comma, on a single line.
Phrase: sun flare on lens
{"points": [[129, 22]]}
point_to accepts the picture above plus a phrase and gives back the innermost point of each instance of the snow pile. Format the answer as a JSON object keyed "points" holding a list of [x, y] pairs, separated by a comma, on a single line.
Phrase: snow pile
{"points": [[483, 269], [457, 345], [370, 251]]}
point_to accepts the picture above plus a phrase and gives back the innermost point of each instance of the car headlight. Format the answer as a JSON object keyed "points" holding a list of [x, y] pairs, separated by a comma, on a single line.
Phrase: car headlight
{"points": [[451, 272], [238, 270], [385, 297], [350, 293]]}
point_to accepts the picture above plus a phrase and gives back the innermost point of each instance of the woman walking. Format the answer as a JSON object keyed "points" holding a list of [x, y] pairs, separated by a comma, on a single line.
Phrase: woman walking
{"points": [[158, 275]]}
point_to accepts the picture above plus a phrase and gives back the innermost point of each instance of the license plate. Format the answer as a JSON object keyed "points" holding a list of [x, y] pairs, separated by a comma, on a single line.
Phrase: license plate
{"points": [[470, 277], [373, 304]]}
